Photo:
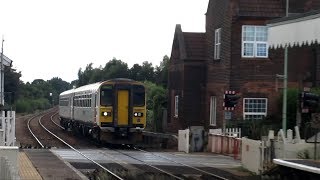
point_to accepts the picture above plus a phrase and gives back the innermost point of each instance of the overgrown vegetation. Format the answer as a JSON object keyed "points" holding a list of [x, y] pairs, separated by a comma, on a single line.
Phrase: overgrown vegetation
{"points": [[255, 129]]}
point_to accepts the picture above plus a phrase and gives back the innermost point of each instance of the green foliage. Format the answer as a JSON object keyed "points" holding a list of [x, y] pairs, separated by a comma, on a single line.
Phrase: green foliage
{"points": [[156, 102], [292, 102], [161, 73], [11, 83], [118, 69], [31, 105]]}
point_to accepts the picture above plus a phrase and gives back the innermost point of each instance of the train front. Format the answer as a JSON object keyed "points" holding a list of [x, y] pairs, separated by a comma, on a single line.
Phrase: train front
{"points": [[122, 112]]}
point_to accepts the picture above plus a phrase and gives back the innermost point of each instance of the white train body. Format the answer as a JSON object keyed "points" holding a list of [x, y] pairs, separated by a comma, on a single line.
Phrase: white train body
{"points": [[116, 107]]}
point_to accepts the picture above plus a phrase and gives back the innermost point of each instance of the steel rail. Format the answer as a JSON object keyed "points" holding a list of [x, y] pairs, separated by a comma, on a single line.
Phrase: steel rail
{"points": [[55, 122], [96, 163], [214, 175], [32, 132], [166, 172]]}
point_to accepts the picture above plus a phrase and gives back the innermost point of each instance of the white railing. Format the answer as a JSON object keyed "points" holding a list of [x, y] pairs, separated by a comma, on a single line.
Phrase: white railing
{"points": [[234, 132], [7, 128]]}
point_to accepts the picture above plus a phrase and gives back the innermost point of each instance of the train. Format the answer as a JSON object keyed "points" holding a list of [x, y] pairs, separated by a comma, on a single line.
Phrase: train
{"points": [[113, 111]]}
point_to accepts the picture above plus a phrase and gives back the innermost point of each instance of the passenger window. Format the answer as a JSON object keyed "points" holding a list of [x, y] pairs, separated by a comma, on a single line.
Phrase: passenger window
{"points": [[106, 98]]}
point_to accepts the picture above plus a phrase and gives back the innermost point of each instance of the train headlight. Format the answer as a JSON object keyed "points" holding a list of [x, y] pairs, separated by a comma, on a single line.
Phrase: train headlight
{"points": [[138, 114], [106, 113]]}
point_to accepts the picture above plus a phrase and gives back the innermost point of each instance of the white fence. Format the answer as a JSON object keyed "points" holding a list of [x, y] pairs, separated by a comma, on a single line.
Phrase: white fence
{"points": [[183, 142], [257, 155], [7, 128]]}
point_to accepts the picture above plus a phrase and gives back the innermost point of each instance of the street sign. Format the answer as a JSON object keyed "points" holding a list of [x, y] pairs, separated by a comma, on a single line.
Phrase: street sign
{"points": [[227, 115]]}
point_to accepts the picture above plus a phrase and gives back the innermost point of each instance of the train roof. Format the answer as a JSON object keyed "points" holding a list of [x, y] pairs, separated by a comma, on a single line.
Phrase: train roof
{"points": [[95, 86]]}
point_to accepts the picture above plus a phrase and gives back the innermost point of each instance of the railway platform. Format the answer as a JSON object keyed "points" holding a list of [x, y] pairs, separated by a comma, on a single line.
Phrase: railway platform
{"points": [[299, 168], [37, 164]]}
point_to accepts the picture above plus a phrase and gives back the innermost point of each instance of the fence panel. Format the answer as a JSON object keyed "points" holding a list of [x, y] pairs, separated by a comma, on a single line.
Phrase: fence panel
{"points": [[226, 145], [183, 142]]}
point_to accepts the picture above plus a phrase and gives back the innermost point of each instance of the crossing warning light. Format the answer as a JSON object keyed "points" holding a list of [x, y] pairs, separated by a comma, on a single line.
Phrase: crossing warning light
{"points": [[230, 100], [309, 102]]}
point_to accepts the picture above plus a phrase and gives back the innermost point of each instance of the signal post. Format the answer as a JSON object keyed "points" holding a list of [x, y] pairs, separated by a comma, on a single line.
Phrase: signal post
{"points": [[230, 100]]}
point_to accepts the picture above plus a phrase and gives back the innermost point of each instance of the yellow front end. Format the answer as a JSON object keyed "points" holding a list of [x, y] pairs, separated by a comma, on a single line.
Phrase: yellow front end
{"points": [[106, 116], [139, 117]]}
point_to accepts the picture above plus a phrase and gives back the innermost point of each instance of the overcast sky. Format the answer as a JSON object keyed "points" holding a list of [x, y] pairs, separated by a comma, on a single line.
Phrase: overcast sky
{"points": [[54, 38]]}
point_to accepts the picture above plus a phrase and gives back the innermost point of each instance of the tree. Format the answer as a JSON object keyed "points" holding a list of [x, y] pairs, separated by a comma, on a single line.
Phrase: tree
{"points": [[161, 72], [85, 76], [58, 86], [115, 69], [156, 102], [147, 71], [135, 73], [11, 84]]}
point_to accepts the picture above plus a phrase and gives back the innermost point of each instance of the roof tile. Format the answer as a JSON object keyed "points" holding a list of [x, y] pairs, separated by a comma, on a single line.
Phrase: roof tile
{"points": [[195, 45]]}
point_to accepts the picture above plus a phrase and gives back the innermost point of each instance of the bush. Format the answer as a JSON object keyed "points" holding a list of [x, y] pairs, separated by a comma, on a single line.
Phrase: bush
{"points": [[31, 105]]}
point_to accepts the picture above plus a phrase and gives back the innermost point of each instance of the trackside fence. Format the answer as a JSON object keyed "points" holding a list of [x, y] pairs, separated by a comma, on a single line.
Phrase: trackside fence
{"points": [[7, 128], [225, 143]]}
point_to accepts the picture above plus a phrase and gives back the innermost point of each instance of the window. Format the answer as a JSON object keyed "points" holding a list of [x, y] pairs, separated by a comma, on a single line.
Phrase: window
{"points": [[213, 110], [254, 108], [106, 95], [138, 95], [176, 106], [254, 41], [217, 43], [63, 101]]}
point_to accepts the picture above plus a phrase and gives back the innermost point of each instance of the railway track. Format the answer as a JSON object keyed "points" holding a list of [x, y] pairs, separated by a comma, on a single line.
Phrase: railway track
{"points": [[41, 141], [183, 164], [50, 125], [42, 137], [170, 173]]}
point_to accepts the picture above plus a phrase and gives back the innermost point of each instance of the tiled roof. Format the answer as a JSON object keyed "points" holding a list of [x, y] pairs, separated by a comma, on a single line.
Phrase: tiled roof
{"points": [[264, 8], [195, 45]]}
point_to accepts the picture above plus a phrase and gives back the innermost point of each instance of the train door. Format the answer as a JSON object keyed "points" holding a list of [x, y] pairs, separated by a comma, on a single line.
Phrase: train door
{"points": [[123, 107], [72, 106]]}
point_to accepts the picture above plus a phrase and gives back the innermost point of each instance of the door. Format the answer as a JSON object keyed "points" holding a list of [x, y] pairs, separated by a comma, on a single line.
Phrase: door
{"points": [[123, 107]]}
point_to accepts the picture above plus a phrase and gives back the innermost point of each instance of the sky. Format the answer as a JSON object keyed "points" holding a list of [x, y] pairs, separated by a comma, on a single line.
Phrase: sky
{"points": [[54, 38]]}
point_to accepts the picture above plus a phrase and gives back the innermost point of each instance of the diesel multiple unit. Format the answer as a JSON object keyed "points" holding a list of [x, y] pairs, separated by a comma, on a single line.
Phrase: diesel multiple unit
{"points": [[113, 111]]}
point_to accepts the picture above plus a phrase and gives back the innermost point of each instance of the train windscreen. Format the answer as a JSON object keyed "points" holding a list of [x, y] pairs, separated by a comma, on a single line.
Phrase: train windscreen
{"points": [[106, 95], [138, 95]]}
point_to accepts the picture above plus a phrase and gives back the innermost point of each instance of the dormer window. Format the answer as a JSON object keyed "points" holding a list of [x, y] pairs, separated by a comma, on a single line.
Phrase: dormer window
{"points": [[217, 43], [254, 42]]}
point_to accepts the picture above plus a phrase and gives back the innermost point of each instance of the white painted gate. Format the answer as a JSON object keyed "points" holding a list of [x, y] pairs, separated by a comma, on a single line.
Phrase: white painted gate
{"points": [[7, 128], [183, 142]]}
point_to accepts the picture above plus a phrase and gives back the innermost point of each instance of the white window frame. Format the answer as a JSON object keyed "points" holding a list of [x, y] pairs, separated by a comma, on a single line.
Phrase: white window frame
{"points": [[213, 111], [254, 42], [176, 106], [254, 113], [217, 43]]}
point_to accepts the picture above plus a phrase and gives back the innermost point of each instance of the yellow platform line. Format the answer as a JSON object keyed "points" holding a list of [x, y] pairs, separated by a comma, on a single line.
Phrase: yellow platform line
{"points": [[26, 169]]}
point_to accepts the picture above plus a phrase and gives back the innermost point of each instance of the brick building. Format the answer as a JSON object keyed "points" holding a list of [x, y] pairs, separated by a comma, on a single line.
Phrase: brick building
{"points": [[233, 54]]}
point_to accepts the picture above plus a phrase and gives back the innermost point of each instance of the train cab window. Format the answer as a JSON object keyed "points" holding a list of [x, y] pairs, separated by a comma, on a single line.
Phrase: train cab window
{"points": [[138, 95], [106, 95]]}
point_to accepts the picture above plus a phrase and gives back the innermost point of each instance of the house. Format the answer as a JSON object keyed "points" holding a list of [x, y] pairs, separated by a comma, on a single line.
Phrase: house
{"points": [[233, 54]]}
